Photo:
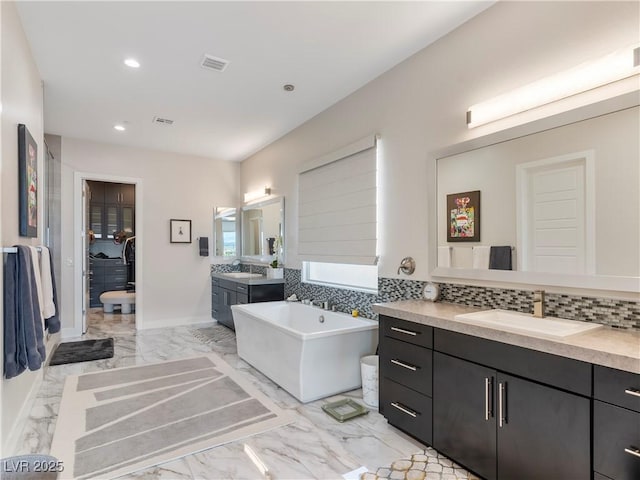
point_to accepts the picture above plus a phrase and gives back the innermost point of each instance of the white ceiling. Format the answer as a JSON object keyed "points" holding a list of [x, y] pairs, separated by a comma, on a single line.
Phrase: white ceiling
{"points": [[326, 49]]}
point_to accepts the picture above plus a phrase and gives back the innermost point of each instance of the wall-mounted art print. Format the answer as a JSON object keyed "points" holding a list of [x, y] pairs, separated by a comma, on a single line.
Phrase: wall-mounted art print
{"points": [[464, 217], [28, 178], [180, 231]]}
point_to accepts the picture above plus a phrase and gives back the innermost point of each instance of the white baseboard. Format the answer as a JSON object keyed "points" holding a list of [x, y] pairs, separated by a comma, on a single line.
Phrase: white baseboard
{"points": [[12, 445], [173, 322]]}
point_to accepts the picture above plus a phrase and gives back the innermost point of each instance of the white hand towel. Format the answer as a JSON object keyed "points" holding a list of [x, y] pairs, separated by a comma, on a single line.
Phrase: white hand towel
{"points": [[444, 257], [49, 308], [481, 257], [36, 274], [462, 257]]}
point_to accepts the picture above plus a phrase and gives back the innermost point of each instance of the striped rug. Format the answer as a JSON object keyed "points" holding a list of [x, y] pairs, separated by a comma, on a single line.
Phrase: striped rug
{"points": [[118, 421]]}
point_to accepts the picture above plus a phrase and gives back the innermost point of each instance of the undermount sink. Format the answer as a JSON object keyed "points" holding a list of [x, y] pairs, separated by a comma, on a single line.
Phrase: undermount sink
{"points": [[242, 275], [508, 321]]}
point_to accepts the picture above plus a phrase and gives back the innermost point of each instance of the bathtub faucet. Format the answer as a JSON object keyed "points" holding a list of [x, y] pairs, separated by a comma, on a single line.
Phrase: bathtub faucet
{"points": [[325, 305]]}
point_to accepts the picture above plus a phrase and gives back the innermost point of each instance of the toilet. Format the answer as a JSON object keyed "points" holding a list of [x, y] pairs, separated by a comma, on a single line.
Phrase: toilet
{"points": [[120, 297]]}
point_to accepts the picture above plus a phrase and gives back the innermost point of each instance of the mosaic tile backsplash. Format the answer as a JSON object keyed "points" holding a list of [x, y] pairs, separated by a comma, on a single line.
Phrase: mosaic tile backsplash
{"points": [[616, 313]]}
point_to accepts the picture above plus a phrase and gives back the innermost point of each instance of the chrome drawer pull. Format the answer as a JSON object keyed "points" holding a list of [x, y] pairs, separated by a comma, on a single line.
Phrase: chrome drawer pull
{"points": [[404, 365], [404, 410], [633, 451], [406, 332], [633, 391]]}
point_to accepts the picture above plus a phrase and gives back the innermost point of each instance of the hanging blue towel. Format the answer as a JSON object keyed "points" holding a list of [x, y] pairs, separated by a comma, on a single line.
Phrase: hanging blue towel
{"points": [[500, 258], [23, 333]]}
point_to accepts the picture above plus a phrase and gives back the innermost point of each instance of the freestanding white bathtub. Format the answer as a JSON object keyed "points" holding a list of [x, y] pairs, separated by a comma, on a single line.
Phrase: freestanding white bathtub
{"points": [[310, 352]]}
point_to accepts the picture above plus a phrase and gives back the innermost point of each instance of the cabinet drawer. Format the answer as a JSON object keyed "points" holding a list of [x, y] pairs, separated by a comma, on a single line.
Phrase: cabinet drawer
{"points": [[409, 365], [111, 286], [407, 331], [242, 288], [216, 297], [616, 436], [617, 387], [242, 298], [566, 373], [119, 278], [228, 284], [116, 270], [406, 409], [215, 281]]}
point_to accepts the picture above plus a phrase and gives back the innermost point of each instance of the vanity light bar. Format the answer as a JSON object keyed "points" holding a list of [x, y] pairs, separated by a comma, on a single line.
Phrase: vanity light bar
{"points": [[616, 66], [257, 195]]}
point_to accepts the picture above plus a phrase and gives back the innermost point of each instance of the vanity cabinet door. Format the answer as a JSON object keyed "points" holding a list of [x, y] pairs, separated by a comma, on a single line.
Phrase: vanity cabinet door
{"points": [[543, 432], [464, 422]]}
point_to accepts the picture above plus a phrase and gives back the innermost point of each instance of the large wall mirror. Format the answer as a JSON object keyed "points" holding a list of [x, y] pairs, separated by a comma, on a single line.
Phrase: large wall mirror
{"points": [[566, 200], [225, 231], [262, 225]]}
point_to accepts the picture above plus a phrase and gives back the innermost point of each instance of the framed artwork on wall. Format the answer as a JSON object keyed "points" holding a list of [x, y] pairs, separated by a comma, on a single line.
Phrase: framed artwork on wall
{"points": [[180, 231], [463, 215], [28, 182]]}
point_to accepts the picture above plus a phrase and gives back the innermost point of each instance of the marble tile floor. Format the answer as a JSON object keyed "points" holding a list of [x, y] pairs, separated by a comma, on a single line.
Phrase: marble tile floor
{"points": [[314, 446]]}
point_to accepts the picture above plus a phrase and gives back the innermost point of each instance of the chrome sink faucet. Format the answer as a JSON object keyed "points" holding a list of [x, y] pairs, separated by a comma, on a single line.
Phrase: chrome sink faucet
{"points": [[538, 303]]}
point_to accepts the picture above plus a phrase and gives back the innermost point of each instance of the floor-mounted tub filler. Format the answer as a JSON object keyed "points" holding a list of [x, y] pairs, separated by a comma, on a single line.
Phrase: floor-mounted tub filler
{"points": [[311, 353]]}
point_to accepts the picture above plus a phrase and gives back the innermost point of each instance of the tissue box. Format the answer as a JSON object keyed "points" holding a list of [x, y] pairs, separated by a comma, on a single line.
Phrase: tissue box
{"points": [[275, 272]]}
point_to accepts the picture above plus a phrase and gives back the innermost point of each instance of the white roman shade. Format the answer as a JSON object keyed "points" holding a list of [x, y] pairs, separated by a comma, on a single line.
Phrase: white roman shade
{"points": [[337, 206]]}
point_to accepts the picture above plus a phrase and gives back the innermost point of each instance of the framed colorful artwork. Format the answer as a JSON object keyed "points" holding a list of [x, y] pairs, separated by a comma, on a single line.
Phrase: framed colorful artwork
{"points": [[463, 214], [180, 231], [28, 182]]}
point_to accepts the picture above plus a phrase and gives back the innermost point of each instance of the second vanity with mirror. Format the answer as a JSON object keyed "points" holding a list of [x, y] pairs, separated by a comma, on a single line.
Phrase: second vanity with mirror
{"points": [[261, 228]]}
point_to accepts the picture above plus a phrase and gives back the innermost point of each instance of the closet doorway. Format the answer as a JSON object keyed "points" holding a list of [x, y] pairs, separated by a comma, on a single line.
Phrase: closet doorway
{"points": [[108, 257]]}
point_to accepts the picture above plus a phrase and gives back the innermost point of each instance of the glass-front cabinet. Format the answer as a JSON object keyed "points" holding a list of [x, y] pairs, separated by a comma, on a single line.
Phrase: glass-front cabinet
{"points": [[111, 209]]}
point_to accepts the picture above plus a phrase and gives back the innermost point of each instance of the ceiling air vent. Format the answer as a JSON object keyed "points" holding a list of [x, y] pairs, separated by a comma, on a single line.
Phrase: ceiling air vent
{"points": [[214, 63], [162, 121]]}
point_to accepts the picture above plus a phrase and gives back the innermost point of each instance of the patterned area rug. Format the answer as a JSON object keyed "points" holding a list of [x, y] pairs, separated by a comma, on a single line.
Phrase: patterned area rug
{"points": [[118, 421], [426, 465]]}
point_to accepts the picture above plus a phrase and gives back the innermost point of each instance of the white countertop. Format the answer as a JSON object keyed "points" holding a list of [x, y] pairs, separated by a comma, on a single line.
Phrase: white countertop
{"points": [[607, 346]]}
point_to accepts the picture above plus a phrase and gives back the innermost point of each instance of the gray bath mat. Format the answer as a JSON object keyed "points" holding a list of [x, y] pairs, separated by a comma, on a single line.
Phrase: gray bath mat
{"points": [[82, 351]]}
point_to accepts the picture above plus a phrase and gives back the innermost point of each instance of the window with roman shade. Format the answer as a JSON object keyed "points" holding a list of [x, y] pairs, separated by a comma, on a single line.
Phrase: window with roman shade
{"points": [[337, 220]]}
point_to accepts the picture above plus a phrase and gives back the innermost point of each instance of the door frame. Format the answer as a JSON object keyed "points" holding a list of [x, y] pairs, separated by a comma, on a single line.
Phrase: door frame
{"points": [[78, 179]]}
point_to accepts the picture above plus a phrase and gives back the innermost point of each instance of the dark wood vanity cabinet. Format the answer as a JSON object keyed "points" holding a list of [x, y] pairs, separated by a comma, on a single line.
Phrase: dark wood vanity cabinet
{"points": [[500, 425], [616, 424], [225, 293], [406, 376], [503, 412]]}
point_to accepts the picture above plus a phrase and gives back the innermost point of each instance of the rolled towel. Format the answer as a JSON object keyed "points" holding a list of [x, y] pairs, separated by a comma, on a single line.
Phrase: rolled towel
{"points": [[481, 257], [462, 257], [204, 246], [444, 257], [500, 258]]}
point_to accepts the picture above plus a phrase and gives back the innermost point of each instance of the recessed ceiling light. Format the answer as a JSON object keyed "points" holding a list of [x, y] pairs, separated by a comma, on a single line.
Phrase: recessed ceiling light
{"points": [[288, 87], [119, 128], [132, 62]]}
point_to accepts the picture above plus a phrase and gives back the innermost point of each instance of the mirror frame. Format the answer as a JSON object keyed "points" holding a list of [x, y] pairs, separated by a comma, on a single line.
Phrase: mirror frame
{"points": [[590, 282], [216, 216], [252, 206]]}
